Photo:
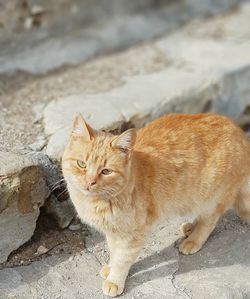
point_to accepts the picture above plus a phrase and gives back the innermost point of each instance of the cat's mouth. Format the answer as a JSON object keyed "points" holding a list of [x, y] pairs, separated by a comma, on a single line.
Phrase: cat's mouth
{"points": [[87, 192], [102, 193], [84, 190]]}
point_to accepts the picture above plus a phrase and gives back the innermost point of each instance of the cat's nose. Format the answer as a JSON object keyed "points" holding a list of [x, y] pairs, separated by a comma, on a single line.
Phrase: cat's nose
{"points": [[90, 184]]}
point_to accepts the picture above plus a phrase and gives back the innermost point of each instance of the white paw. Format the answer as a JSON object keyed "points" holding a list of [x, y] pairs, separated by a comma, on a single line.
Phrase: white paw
{"points": [[111, 289], [189, 247]]}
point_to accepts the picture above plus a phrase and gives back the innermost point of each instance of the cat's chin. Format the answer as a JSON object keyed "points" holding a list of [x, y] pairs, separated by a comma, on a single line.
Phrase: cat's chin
{"points": [[88, 193], [102, 195]]}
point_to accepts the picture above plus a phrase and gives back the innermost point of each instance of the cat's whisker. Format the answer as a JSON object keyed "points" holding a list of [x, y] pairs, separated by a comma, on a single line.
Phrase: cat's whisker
{"points": [[61, 193], [57, 184], [110, 194]]}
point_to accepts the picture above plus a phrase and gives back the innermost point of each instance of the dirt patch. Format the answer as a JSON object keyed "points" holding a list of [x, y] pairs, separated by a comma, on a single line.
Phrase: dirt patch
{"points": [[47, 236]]}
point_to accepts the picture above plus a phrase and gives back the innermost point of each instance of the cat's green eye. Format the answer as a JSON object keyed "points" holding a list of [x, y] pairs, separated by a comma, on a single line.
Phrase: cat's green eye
{"points": [[81, 164], [106, 171]]}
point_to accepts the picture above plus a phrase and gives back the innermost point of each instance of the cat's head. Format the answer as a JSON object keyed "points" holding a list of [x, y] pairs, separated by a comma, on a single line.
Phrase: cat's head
{"points": [[95, 162]]}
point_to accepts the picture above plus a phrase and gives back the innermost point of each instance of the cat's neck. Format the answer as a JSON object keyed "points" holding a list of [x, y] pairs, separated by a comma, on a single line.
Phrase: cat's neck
{"points": [[142, 168]]}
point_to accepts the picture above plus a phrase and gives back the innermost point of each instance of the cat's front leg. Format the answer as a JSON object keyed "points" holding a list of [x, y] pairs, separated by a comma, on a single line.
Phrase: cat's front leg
{"points": [[105, 270], [122, 258]]}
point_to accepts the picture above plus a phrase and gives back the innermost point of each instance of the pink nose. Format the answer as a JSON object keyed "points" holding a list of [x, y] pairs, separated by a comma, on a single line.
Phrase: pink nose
{"points": [[90, 184]]}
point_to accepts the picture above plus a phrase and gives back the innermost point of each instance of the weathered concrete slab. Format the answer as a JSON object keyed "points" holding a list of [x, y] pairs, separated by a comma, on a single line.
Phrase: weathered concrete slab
{"points": [[220, 270], [92, 27], [23, 191], [205, 72], [57, 277]]}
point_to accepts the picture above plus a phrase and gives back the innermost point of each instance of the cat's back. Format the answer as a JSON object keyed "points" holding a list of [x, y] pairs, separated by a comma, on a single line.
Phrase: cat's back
{"points": [[192, 152], [195, 132]]}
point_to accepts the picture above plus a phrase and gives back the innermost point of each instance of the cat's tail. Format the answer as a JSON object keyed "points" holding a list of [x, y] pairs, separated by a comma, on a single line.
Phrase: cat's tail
{"points": [[242, 203]]}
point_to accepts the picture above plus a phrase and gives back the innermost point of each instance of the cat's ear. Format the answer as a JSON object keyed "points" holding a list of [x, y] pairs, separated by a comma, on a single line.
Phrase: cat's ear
{"points": [[125, 142], [81, 128]]}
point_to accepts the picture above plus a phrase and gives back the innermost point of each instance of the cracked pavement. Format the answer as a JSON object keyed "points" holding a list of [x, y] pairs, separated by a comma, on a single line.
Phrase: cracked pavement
{"points": [[220, 270]]}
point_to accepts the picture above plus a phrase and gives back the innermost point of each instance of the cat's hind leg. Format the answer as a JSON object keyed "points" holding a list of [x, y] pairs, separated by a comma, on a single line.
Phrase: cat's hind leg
{"points": [[242, 203], [203, 226], [199, 234], [206, 222]]}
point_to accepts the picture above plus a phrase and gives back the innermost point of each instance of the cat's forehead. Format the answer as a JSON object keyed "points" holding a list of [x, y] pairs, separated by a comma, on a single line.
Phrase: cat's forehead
{"points": [[99, 150]]}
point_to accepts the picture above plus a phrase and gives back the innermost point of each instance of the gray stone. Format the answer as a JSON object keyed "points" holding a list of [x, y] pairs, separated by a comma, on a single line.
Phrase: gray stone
{"points": [[62, 211], [41, 250], [39, 144], [92, 27], [76, 224], [23, 191], [205, 72]]}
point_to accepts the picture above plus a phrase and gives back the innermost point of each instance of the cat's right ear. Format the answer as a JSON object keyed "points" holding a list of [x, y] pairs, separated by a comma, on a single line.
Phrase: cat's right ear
{"points": [[81, 128], [125, 141]]}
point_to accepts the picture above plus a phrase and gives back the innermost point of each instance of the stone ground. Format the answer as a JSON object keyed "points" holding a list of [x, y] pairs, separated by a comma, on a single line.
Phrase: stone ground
{"points": [[204, 66], [219, 270]]}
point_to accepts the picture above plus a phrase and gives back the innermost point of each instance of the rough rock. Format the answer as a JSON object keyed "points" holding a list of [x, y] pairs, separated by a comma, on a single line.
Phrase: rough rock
{"points": [[23, 191], [41, 250], [62, 211], [211, 74]]}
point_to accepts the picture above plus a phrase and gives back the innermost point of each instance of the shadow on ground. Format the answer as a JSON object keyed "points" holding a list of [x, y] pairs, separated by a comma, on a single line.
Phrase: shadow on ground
{"points": [[228, 245]]}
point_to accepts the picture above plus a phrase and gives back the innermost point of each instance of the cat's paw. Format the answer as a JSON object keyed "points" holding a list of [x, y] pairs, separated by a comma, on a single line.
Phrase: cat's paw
{"points": [[105, 271], [187, 229], [189, 247], [111, 289]]}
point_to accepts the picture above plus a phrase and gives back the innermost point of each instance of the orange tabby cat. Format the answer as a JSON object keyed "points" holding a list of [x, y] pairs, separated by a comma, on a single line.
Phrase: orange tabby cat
{"points": [[177, 165]]}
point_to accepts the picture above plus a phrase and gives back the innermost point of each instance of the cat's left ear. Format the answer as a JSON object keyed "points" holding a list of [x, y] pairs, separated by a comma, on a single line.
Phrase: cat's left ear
{"points": [[125, 142], [81, 128]]}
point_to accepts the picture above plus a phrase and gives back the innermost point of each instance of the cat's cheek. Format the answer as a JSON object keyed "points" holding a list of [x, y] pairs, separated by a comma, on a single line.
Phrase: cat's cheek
{"points": [[68, 179], [75, 183]]}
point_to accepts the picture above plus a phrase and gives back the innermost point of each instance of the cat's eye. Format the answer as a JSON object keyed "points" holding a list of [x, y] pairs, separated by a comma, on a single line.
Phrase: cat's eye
{"points": [[106, 171], [81, 164]]}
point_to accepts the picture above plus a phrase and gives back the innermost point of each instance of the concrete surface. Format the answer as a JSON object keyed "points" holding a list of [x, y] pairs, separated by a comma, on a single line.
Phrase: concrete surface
{"points": [[92, 27], [208, 69], [194, 76], [220, 270]]}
